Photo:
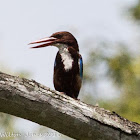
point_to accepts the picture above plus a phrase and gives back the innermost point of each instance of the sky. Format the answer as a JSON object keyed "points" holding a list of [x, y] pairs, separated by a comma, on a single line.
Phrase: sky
{"points": [[22, 22]]}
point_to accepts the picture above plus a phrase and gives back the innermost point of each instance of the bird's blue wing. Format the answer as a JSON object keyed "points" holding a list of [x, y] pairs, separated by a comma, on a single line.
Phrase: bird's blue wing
{"points": [[81, 66]]}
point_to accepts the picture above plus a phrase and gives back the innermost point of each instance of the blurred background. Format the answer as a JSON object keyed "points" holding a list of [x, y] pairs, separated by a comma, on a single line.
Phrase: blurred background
{"points": [[108, 33]]}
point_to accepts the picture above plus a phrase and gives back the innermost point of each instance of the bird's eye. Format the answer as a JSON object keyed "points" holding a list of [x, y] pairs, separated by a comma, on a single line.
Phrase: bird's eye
{"points": [[58, 36]]}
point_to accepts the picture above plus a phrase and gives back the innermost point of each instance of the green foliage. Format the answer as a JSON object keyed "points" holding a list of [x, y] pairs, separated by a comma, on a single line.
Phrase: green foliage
{"points": [[135, 11], [123, 71], [128, 104], [120, 68], [6, 122]]}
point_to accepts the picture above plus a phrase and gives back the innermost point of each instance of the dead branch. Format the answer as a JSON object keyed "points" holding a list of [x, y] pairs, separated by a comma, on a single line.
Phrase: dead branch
{"points": [[30, 100]]}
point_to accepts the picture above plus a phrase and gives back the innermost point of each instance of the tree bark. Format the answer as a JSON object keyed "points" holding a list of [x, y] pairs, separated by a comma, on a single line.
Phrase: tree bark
{"points": [[30, 100]]}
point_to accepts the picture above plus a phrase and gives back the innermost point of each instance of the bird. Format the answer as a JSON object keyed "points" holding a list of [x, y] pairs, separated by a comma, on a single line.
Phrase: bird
{"points": [[68, 65]]}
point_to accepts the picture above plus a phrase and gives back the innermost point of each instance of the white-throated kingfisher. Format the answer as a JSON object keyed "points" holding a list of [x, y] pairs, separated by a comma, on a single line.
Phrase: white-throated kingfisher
{"points": [[68, 66]]}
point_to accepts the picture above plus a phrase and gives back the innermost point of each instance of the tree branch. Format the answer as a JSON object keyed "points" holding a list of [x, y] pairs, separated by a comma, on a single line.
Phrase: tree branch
{"points": [[30, 100]]}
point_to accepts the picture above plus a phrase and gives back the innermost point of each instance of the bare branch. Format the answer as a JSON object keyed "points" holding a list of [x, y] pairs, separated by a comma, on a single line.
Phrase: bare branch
{"points": [[30, 100]]}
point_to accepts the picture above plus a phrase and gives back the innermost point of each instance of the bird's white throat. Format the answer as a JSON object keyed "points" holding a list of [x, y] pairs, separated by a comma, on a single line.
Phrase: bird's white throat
{"points": [[66, 57]]}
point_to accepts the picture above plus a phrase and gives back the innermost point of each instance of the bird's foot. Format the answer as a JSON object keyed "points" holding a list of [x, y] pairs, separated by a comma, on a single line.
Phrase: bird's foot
{"points": [[76, 99]]}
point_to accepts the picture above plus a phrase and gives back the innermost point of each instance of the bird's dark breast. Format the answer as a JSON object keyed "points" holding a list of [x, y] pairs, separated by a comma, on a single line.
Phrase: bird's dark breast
{"points": [[69, 81]]}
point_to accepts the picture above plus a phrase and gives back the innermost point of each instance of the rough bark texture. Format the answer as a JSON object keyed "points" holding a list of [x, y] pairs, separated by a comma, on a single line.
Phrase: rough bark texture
{"points": [[30, 100]]}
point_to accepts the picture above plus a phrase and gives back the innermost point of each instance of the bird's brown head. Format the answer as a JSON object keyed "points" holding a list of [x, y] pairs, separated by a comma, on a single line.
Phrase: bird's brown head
{"points": [[58, 39]]}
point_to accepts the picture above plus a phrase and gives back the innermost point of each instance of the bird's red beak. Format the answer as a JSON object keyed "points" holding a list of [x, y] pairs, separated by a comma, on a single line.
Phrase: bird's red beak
{"points": [[44, 42]]}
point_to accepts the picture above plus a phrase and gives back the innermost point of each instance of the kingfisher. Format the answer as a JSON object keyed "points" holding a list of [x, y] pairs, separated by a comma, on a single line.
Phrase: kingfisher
{"points": [[68, 65]]}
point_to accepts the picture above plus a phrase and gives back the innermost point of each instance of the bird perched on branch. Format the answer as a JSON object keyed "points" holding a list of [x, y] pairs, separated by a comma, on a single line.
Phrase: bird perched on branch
{"points": [[68, 66]]}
